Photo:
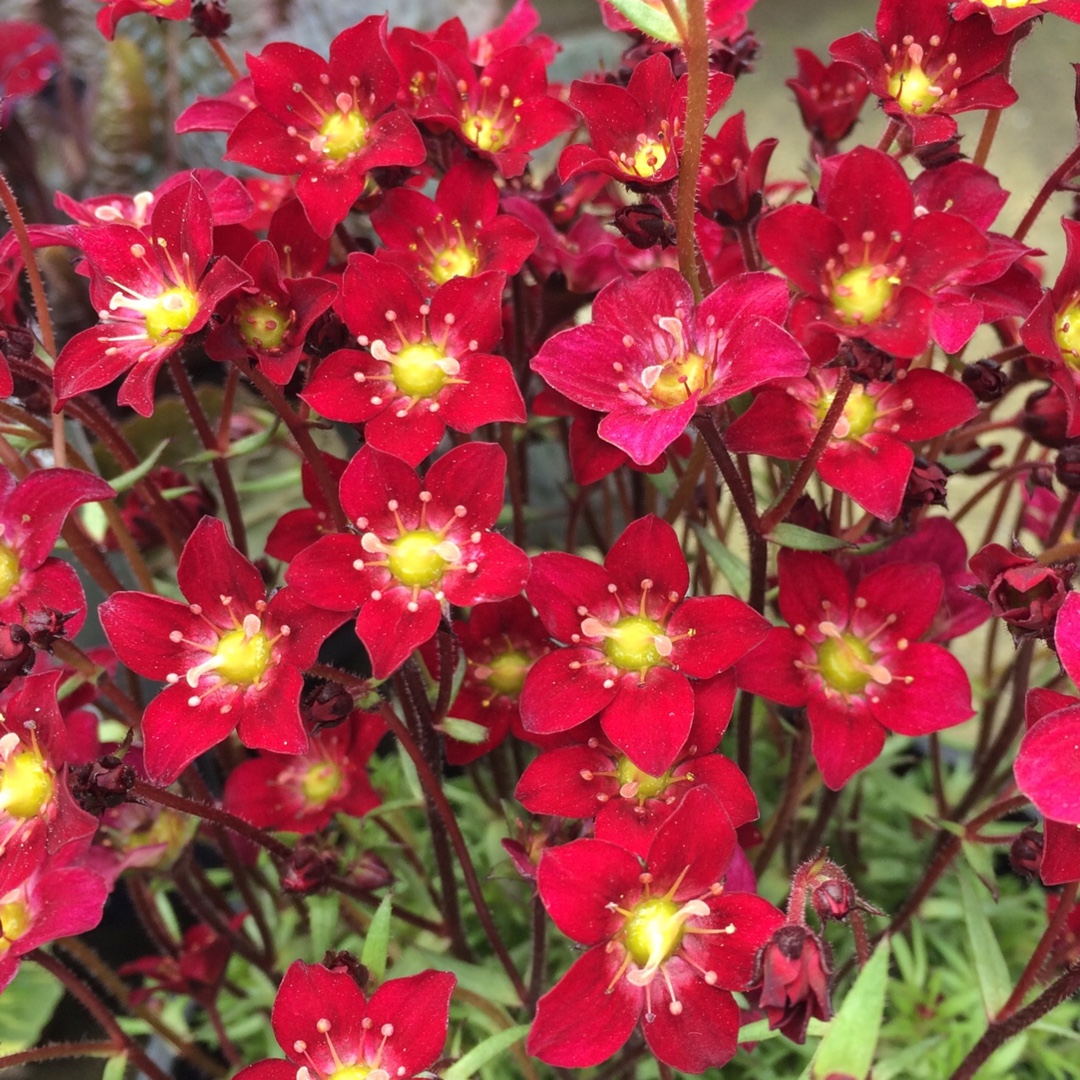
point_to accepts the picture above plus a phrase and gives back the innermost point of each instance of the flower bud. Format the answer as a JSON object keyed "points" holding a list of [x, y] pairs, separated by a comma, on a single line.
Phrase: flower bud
{"points": [[1026, 852], [16, 652], [325, 704], [926, 485], [792, 975], [867, 363], [985, 379], [209, 19], [1020, 589], [308, 868], [1067, 468], [644, 225], [100, 785], [1045, 418], [834, 899]]}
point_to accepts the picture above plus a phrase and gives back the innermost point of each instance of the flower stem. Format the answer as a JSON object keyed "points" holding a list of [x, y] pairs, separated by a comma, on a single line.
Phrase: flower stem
{"points": [[227, 61], [538, 971], [696, 47], [58, 1051], [26, 249], [1052, 185]]}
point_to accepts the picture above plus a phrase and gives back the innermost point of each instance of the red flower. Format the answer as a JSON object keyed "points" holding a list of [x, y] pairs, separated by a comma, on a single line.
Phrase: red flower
{"points": [[1047, 765], [792, 979], [853, 659], [427, 364], [1021, 590], [232, 658], [32, 513], [666, 944], [1007, 15], [651, 359], [152, 288], [868, 264], [39, 819], [926, 66], [868, 457], [637, 651], [327, 1028], [459, 233], [331, 122], [635, 133], [422, 544], [297, 529], [115, 10], [302, 794], [829, 99], [732, 181]]}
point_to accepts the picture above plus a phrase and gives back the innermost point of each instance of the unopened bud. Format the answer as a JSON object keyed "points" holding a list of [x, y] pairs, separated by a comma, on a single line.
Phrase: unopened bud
{"points": [[985, 379]]}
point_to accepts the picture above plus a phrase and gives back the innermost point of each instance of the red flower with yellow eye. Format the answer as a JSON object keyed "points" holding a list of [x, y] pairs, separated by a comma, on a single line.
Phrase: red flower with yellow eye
{"points": [[231, 657]]}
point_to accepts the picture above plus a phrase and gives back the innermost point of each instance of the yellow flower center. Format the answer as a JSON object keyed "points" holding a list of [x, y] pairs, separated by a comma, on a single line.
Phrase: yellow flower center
{"points": [[679, 380], [508, 671], [860, 412], [321, 783], [649, 158], [351, 1072], [644, 786], [343, 134], [654, 931], [631, 643], [10, 571], [171, 312], [844, 663], [242, 659], [913, 90], [263, 325], [414, 559], [1067, 334], [420, 370], [26, 785], [861, 294], [452, 262], [1010, 3], [14, 922], [485, 133]]}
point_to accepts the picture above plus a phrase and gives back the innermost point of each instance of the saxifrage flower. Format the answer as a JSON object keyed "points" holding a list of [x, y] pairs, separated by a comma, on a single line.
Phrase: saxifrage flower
{"points": [[854, 660], [231, 657], [421, 544], [637, 650], [666, 944]]}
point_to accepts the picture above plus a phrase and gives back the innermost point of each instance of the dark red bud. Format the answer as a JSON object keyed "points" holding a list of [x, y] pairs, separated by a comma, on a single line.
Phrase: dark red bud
{"points": [[325, 704], [645, 226], [1025, 853], [209, 19], [985, 379], [926, 485], [834, 900], [344, 961], [308, 868], [792, 976], [100, 785], [867, 363], [1045, 418], [1067, 467], [16, 653]]}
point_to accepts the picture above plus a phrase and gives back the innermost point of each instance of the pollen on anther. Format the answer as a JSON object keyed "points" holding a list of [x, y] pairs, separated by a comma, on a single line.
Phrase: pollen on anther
{"points": [[386, 1030], [193, 700], [299, 1046], [322, 1025], [176, 636]]}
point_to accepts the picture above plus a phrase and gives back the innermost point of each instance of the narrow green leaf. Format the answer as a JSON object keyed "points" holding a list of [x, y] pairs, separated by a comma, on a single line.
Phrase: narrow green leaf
{"points": [[484, 1052], [650, 20], [466, 731], [731, 566], [26, 1006], [980, 859], [130, 478], [990, 966], [800, 539], [377, 941], [849, 1046], [323, 918], [114, 1067]]}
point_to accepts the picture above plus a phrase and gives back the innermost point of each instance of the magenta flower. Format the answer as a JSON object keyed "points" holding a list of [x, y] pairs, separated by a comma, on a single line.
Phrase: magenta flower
{"points": [[152, 289], [327, 1027], [231, 657], [115, 10], [427, 364], [636, 649], [868, 456], [650, 358], [666, 944], [853, 659], [330, 121], [421, 545]]}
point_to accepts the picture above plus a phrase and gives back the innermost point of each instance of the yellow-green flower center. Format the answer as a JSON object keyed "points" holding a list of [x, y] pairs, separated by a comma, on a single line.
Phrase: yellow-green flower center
{"points": [[171, 312], [10, 570], [1009, 3], [508, 671], [844, 661], [1067, 334], [26, 785], [321, 782], [861, 294], [631, 643], [679, 380], [344, 133], [649, 158], [646, 786], [351, 1072], [654, 931], [912, 90], [263, 325], [486, 134], [414, 560], [420, 370], [860, 412], [452, 262], [14, 922], [242, 659]]}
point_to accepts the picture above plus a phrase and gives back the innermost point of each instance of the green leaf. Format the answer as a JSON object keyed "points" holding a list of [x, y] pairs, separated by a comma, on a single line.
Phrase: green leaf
{"points": [[484, 1052], [990, 966], [800, 539], [849, 1046], [980, 858], [114, 1067], [323, 918], [130, 478], [465, 731], [26, 1006], [377, 941], [731, 566], [648, 19]]}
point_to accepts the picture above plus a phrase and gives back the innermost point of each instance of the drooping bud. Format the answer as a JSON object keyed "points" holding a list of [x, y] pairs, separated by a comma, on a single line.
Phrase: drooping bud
{"points": [[867, 363], [1045, 418], [308, 868], [344, 961], [209, 19], [985, 379], [1025, 853], [1067, 467], [926, 485], [325, 704], [645, 226], [100, 785], [792, 977], [1021, 590]]}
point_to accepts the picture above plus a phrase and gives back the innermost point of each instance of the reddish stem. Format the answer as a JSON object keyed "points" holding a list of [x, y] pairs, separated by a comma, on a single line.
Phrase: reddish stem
{"points": [[696, 47]]}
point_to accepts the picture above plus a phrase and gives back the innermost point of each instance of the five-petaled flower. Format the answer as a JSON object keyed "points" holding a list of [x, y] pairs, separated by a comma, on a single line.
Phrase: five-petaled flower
{"points": [[231, 657]]}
